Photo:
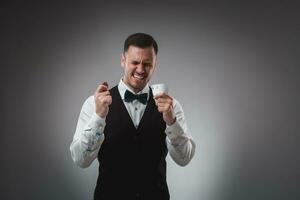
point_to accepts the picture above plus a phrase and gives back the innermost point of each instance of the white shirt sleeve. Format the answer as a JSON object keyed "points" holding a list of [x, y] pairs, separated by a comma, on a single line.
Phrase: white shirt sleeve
{"points": [[88, 136], [180, 145]]}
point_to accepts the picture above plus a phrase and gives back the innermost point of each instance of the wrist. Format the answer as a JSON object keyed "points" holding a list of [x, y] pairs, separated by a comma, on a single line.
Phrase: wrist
{"points": [[171, 122], [101, 113]]}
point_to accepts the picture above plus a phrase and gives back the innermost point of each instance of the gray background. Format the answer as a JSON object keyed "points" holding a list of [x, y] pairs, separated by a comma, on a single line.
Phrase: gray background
{"points": [[234, 67]]}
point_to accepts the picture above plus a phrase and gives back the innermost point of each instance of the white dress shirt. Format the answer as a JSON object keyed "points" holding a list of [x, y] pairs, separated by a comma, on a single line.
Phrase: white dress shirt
{"points": [[89, 134]]}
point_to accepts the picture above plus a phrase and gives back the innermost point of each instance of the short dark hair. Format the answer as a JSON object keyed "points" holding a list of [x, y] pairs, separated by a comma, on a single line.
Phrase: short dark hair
{"points": [[141, 40]]}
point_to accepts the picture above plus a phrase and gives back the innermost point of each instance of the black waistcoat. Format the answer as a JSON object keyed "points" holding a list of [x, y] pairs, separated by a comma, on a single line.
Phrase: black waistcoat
{"points": [[132, 161]]}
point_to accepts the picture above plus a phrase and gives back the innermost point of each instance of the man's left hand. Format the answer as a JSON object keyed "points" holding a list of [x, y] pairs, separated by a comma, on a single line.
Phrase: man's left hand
{"points": [[164, 104]]}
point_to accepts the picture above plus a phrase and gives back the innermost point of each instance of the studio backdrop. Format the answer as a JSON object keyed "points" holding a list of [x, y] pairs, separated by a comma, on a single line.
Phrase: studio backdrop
{"points": [[234, 67]]}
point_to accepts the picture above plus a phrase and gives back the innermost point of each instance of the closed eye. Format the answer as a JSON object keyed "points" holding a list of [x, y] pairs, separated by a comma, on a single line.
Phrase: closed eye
{"points": [[147, 65], [135, 62]]}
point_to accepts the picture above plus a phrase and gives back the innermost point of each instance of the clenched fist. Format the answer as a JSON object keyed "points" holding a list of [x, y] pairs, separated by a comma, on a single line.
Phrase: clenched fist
{"points": [[164, 105], [102, 100]]}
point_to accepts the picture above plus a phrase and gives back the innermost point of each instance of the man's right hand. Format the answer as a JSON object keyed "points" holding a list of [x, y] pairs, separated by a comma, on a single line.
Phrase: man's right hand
{"points": [[102, 100]]}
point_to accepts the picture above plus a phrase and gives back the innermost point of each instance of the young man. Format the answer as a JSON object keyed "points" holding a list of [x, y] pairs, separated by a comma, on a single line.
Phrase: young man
{"points": [[131, 131]]}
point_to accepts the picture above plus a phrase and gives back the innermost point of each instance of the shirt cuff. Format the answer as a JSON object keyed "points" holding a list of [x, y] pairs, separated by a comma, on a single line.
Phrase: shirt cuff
{"points": [[174, 131], [96, 123]]}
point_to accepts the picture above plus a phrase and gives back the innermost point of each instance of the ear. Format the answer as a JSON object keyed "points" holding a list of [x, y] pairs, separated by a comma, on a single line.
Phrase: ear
{"points": [[123, 59], [154, 68], [155, 65]]}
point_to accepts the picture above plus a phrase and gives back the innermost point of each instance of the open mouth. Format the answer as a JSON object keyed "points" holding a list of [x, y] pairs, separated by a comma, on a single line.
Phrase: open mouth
{"points": [[139, 77]]}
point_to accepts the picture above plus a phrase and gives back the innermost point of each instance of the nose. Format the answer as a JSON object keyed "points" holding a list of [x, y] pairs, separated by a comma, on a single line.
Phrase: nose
{"points": [[140, 68]]}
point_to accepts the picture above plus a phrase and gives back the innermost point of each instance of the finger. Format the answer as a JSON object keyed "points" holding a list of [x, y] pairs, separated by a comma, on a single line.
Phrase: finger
{"points": [[105, 99], [164, 106], [105, 93], [109, 100], [162, 109], [164, 100], [102, 87]]}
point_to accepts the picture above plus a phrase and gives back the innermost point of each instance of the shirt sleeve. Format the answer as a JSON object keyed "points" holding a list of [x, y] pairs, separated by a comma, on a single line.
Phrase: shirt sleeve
{"points": [[179, 143], [88, 136]]}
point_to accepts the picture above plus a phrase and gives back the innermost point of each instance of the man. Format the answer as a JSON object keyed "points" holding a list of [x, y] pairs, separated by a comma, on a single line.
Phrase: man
{"points": [[131, 131]]}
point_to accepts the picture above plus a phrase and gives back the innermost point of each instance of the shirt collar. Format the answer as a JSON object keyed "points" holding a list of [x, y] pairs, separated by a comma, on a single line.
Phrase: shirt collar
{"points": [[122, 87]]}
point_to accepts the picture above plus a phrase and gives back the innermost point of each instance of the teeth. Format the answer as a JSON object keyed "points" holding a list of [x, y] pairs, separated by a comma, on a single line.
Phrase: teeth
{"points": [[138, 77]]}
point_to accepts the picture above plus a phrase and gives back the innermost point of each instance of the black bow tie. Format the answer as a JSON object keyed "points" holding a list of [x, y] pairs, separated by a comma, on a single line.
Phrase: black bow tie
{"points": [[129, 96]]}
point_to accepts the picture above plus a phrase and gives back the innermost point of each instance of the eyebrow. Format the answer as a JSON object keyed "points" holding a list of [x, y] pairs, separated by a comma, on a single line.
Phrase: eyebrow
{"points": [[144, 61]]}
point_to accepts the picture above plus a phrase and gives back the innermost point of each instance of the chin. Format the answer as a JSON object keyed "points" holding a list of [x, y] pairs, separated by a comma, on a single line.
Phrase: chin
{"points": [[138, 87]]}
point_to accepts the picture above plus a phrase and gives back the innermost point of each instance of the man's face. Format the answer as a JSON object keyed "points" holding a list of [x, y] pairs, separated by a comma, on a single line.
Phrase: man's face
{"points": [[139, 65]]}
